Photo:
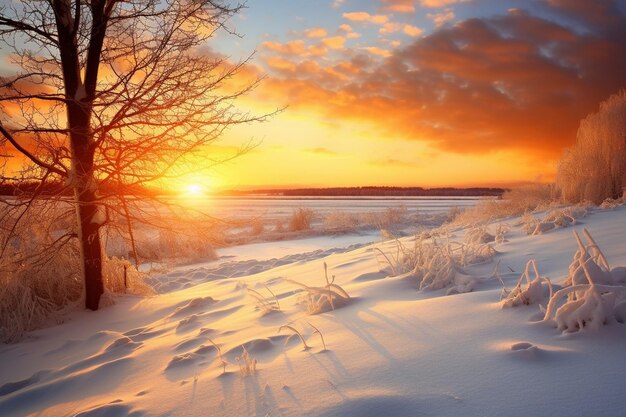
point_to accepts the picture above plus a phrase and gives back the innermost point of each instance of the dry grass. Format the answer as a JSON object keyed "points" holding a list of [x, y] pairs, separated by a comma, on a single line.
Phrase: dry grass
{"points": [[322, 299], [521, 200], [265, 303]]}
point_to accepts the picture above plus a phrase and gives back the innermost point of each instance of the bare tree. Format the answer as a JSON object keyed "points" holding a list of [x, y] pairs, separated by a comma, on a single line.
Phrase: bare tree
{"points": [[111, 95]]}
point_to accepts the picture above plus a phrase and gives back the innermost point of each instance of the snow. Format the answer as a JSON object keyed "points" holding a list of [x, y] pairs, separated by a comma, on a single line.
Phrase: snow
{"points": [[389, 349]]}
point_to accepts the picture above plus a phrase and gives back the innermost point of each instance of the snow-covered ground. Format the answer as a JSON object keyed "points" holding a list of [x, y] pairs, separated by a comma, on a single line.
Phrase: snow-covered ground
{"points": [[219, 339]]}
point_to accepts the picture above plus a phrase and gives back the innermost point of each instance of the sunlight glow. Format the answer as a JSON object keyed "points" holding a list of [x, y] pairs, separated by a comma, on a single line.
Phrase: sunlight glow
{"points": [[194, 190]]}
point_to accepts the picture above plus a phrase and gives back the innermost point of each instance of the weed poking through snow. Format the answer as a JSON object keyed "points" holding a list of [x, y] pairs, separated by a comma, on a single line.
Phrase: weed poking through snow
{"points": [[295, 333], [266, 304], [247, 365], [322, 299]]}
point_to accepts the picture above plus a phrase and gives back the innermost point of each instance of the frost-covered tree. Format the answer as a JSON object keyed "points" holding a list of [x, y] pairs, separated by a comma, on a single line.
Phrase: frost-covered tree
{"points": [[108, 95], [595, 167]]}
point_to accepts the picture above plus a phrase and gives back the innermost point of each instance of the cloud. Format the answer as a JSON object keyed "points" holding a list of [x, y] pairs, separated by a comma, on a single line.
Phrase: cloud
{"points": [[441, 3], [440, 19], [374, 50], [597, 14], [412, 30], [349, 33], [398, 6], [364, 17], [392, 27], [315, 33], [515, 82], [296, 47], [335, 42], [280, 64], [345, 28]]}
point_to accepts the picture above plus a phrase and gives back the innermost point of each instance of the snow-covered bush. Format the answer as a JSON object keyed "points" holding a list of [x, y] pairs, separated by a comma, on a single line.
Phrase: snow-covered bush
{"points": [[589, 265], [553, 219], [437, 263], [593, 292], [595, 167], [533, 293]]}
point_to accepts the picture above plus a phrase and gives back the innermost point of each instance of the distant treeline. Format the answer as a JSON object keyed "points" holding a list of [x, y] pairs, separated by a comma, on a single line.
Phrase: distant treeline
{"points": [[378, 192]]}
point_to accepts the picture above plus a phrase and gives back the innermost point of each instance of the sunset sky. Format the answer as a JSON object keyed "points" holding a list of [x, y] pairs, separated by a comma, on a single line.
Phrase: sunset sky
{"points": [[411, 92], [418, 92]]}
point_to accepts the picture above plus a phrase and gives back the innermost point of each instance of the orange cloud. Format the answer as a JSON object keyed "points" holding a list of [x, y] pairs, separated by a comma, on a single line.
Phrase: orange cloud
{"points": [[440, 19], [315, 33], [280, 64], [349, 33], [412, 30], [335, 42], [392, 27], [408, 6], [398, 6], [365, 17], [440, 3], [317, 50], [296, 47], [515, 82]]}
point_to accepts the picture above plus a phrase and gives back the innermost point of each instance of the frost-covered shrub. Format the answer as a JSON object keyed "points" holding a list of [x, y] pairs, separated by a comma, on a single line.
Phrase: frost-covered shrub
{"points": [[182, 244], [611, 203], [595, 167], [393, 216], [301, 219], [553, 219], [593, 294], [33, 294], [340, 221], [589, 265], [437, 263], [39, 267], [478, 234], [533, 293]]}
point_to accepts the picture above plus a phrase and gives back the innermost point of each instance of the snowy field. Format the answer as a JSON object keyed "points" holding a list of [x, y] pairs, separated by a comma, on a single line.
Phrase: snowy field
{"points": [[263, 331]]}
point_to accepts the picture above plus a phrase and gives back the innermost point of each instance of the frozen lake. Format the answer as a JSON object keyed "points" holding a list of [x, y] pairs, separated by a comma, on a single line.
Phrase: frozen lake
{"points": [[238, 208]]}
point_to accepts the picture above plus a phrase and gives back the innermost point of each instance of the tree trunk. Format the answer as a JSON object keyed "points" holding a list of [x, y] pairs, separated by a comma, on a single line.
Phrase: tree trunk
{"points": [[91, 249]]}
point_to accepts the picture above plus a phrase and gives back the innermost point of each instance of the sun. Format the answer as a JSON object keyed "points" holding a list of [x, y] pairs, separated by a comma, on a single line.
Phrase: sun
{"points": [[194, 190]]}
